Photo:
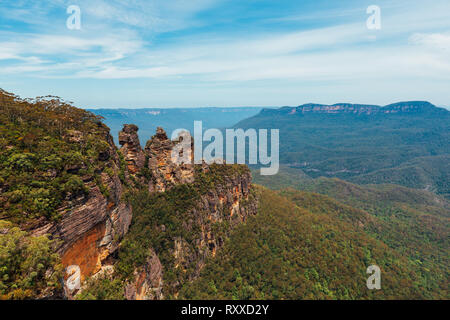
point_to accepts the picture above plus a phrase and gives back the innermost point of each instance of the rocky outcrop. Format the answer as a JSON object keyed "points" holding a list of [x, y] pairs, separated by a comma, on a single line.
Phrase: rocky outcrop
{"points": [[226, 204], [131, 148], [93, 224], [148, 281], [208, 224], [164, 170]]}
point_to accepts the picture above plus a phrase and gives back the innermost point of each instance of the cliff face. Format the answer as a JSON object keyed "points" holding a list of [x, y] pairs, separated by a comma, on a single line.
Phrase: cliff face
{"points": [[358, 109], [63, 179], [228, 203], [92, 225], [205, 227], [213, 213]]}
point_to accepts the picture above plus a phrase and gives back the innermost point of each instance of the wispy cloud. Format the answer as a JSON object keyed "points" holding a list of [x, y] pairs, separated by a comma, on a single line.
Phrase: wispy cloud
{"points": [[180, 39], [433, 41]]}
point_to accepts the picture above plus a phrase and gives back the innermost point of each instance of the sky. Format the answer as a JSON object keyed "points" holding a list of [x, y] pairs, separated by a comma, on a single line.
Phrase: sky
{"points": [[198, 53]]}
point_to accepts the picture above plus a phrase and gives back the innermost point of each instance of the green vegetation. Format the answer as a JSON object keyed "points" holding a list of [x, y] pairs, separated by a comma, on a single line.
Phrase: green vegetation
{"points": [[103, 287], [159, 219], [429, 173], [47, 149], [311, 239], [415, 223], [28, 266], [422, 237], [49, 153], [287, 252], [406, 148], [152, 211]]}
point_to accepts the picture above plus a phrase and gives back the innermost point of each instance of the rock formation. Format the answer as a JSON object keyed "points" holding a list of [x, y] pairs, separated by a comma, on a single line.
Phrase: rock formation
{"points": [[93, 224], [165, 172], [131, 148], [228, 202]]}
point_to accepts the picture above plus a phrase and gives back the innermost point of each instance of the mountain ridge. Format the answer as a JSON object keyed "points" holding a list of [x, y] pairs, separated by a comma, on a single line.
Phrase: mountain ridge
{"points": [[398, 107], [404, 143]]}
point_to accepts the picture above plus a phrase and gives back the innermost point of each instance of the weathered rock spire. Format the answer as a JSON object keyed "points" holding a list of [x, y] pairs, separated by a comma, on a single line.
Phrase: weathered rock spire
{"points": [[131, 148]]}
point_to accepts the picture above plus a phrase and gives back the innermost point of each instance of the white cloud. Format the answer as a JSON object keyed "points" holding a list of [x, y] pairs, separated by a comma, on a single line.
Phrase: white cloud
{"points": [[335, 53], [434, 41]]}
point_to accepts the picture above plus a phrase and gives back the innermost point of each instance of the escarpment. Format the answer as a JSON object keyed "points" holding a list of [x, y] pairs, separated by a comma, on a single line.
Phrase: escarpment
{"points": [[61, 179], [185, 212], [92, 224], [140, 216], [182, 228]]}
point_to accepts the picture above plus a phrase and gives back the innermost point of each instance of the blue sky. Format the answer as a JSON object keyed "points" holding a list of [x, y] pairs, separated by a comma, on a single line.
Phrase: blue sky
{"points": [[178, 53]]}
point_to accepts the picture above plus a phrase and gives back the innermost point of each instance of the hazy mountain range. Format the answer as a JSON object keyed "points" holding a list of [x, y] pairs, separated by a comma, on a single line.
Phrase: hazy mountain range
{"points": [[173, 118], [405, 143]]}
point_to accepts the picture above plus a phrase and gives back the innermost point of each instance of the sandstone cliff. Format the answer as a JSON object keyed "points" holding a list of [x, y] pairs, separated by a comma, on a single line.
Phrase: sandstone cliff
{"points": [[357, 109], [93, 224], [135, 215], [219, 199], [131, 148]]}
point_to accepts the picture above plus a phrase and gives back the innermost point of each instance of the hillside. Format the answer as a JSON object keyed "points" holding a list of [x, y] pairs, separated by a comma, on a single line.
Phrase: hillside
{"points": [[62, 183], [308, 251], [415, 223], [173, 233], [405, 143], [79, 217]]}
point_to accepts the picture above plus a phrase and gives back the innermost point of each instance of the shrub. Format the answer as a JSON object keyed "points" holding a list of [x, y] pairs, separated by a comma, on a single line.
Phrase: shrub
{"points": [[28, 265], [21, 161], [75, 186]]}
